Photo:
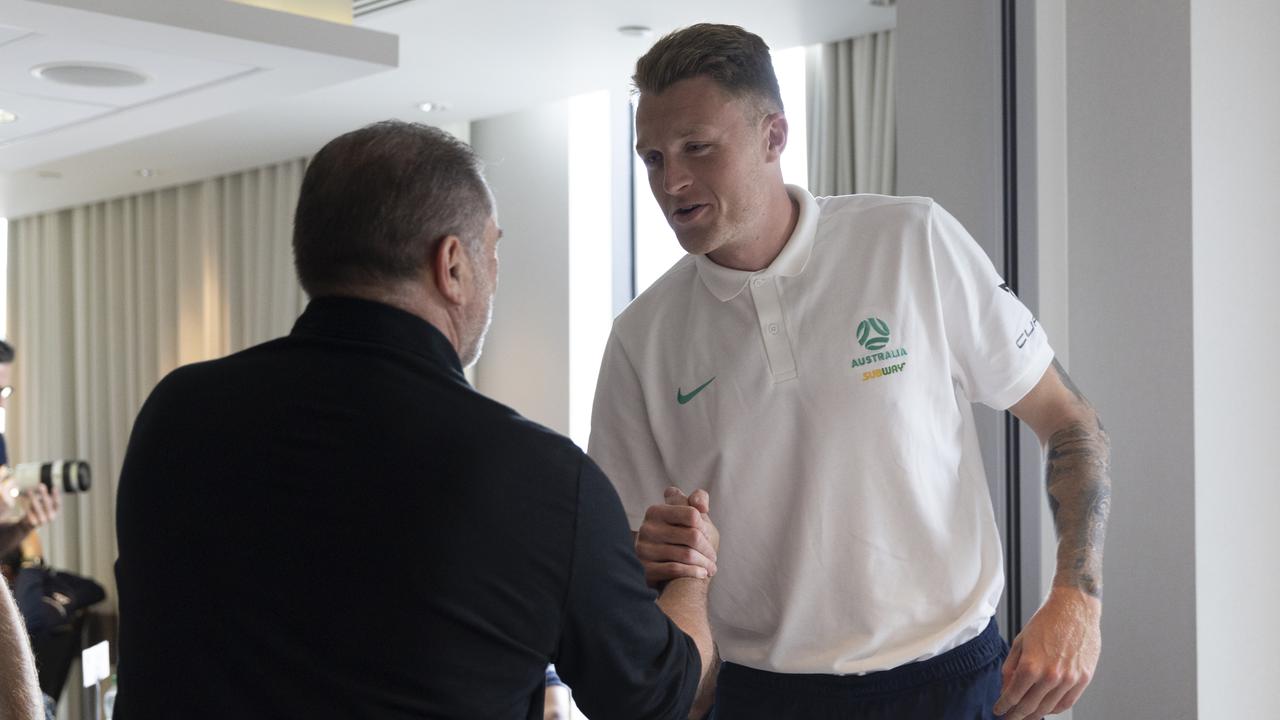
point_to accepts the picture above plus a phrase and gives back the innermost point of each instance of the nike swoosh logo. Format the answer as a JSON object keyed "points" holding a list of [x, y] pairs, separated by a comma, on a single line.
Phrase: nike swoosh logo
{"points": [[682, 398]]}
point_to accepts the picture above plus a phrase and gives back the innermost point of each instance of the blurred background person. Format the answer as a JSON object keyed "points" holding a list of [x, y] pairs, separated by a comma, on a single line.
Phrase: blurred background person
{"points": [[20, 513]]}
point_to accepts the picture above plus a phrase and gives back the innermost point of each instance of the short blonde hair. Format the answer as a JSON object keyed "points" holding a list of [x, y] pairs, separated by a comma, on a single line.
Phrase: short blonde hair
{"points": [[735, 59]]}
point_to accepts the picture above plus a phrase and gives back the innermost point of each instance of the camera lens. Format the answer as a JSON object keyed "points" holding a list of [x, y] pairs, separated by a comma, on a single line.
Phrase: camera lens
{"points": [[72, 476]]}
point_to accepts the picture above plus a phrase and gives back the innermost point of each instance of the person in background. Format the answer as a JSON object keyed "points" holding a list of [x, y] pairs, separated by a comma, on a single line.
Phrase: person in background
{"points": [[475, 546], [20, 514], [812, 363]]}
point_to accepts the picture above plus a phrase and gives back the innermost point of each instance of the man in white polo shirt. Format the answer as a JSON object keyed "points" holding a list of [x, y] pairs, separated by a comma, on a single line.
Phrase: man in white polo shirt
{"points": [[811, 363]]}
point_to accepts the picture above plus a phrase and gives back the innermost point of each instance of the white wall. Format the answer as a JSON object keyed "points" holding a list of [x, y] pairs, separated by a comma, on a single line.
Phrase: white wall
{"points": [[1130, 309], [1157, 143], [525, 363], [560, 174], [1157, 140], [1173, 137], [591, 201], [1235, 121], [948, 96], [1046, 104]]}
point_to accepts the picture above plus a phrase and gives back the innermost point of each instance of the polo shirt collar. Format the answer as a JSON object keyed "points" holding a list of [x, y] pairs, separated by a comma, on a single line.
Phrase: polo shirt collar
{"points": [[380, 324], [725, 283]]}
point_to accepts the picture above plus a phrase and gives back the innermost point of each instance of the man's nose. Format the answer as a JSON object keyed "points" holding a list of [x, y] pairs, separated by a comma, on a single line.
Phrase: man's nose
{"points": [[675, 177]]}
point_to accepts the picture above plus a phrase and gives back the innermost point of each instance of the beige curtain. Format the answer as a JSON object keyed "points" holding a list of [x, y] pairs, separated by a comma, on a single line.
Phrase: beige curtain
{"points": [[105, 299], [851, 122]]}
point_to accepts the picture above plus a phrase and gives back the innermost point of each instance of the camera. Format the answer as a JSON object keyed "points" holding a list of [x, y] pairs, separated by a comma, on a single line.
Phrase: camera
{"points": [[72, 476]]}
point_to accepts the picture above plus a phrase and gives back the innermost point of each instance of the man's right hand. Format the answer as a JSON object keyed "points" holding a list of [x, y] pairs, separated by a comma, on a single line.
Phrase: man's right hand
{"points": [[28, 510], [678, 539], [42, 507]]}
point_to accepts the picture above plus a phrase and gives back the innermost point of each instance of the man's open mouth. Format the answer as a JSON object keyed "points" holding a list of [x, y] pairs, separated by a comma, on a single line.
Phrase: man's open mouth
{"points": [[685, 211]]}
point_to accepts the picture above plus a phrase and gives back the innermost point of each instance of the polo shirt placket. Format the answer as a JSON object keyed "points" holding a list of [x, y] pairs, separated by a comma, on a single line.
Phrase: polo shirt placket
{"points": [[773, 328]]}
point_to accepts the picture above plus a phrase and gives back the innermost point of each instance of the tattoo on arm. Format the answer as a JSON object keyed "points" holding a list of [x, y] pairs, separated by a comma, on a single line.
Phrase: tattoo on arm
{"points": [[1078, 479]]}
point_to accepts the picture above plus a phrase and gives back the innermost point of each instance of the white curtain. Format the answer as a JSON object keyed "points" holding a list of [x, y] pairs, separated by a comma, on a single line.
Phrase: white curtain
{"points": [[851, 123], [105, 299]]}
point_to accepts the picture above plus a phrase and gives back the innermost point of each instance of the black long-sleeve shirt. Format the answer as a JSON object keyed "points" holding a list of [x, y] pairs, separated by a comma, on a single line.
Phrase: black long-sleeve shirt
{"points": [[335, 524]]}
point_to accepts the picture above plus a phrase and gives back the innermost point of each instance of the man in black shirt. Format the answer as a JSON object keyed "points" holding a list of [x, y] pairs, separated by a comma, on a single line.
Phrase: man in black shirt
{"points": [[335, 524]]}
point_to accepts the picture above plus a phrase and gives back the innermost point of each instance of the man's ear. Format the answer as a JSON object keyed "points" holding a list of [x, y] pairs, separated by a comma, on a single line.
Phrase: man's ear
{"points": [[775, 135], [451, 270]]}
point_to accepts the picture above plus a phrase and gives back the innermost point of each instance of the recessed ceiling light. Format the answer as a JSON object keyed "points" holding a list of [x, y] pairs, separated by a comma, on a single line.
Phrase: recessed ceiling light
{"points": [[7, 117], [89, 74], [433, 107], [146, 172], [640, 31]]}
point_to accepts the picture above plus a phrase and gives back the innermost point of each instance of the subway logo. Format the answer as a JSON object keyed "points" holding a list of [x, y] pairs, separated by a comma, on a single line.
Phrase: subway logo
{"points": [[881, 372]]}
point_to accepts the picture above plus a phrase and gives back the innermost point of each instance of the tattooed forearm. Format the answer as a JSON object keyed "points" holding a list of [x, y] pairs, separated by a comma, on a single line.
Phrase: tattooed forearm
{"points": [[1079, 482]]}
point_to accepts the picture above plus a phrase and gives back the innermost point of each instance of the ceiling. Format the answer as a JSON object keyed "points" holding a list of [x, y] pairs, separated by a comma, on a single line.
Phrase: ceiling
{"points": [[480, 58]]}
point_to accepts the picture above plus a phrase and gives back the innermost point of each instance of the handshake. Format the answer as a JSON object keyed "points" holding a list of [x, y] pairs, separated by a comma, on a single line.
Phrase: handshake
{"points": [[677, 538]]}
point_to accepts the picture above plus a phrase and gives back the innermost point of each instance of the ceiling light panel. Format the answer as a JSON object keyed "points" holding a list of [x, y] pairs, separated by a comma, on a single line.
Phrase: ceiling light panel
{"points": [[166, 73], [93, 75]]}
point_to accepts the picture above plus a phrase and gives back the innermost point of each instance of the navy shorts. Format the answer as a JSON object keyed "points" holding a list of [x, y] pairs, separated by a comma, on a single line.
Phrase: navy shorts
{"points": [[961, 684]]}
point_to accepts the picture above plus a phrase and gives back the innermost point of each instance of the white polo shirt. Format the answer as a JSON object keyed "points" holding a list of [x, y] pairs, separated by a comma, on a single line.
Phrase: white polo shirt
{"points": [[825, 404]]}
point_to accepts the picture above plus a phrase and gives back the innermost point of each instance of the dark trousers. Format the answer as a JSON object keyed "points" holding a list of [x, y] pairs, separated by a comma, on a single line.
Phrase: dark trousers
{"points": [[961, 684]]}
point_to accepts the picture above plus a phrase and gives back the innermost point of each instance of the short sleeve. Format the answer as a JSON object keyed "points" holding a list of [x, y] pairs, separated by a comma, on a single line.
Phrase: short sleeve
{"points": [[621, 655], [998, 349], [622, 441]]}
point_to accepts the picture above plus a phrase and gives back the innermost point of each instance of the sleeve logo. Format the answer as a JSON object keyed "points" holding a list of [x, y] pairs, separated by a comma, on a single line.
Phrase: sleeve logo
{"points": [[1026, 334]]}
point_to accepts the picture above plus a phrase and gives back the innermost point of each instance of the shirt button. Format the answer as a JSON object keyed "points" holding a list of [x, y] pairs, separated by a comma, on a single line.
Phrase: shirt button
{"points": [[757, 282], [773, 328]]}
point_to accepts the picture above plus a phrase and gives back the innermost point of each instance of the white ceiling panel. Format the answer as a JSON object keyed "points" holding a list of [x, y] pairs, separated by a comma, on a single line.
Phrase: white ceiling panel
{"points": [[202, 59], [9, 34], [167, 73], [41, 115]]}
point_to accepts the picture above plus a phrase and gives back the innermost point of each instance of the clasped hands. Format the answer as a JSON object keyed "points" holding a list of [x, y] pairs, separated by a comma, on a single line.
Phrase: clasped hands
{"points": [[677, 538]]}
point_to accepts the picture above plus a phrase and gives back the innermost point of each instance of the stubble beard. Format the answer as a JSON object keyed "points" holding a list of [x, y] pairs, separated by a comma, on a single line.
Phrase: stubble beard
{"points": [[701, 241], [477, 326], [722, 232]]}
